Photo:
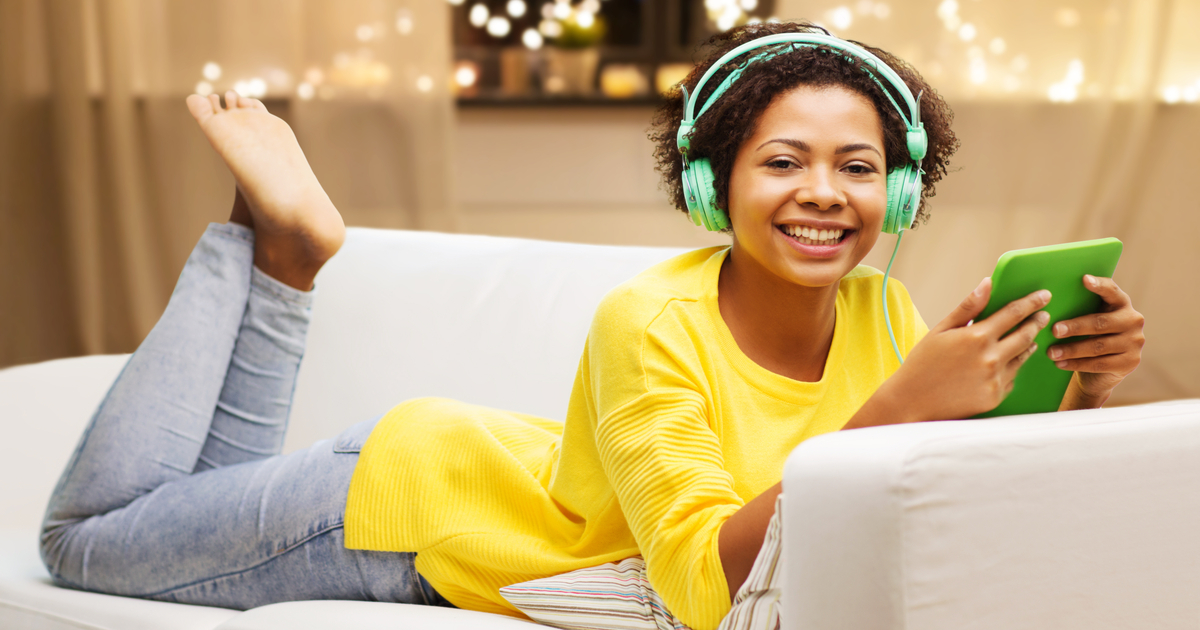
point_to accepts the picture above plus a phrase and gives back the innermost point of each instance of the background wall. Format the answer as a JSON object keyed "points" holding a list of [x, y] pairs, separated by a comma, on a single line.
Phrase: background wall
{"points": [[1081, 125]]}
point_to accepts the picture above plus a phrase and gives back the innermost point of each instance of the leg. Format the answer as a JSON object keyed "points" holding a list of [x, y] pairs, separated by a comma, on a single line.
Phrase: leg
{"points": [[252, 413], [148, 435], [243, 536], [150, 428], [297, 230]]}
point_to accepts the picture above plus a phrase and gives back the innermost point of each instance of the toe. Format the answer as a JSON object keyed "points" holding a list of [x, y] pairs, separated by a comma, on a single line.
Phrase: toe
{"points": [[215, 100], [200, 107], [231, 100], [257, 104]]}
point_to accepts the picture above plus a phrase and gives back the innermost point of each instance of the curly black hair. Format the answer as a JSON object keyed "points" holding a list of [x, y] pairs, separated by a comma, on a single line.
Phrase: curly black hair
{"points": [[731, 120]]}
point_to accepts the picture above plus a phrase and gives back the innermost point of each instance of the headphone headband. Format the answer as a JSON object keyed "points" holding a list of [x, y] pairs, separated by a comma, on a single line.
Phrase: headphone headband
{"points": [[916, 138]]}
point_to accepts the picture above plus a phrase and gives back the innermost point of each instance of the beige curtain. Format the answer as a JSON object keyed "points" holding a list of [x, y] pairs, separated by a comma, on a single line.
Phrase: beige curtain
{"points": [[106, 182], [1077, 120]]}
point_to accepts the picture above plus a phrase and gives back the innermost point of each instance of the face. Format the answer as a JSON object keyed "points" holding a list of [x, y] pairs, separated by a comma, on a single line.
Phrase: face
{"points": [[808, 190]]}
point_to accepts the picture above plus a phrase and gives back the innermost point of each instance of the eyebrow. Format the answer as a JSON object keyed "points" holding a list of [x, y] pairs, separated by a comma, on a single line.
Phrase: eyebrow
{"points": [[803, 146]]}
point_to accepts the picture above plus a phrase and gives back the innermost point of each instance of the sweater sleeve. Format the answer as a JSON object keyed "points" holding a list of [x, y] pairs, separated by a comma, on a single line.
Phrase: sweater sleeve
{"points": [[658, 446], [664, 463]]}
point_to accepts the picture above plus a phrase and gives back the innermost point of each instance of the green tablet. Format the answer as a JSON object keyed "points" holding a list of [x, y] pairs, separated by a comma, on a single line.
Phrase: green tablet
{"points": [[1040, 385]]}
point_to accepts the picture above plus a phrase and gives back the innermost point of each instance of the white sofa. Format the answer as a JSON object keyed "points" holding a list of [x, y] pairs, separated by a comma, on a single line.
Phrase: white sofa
{"points": [[1080, 520]]}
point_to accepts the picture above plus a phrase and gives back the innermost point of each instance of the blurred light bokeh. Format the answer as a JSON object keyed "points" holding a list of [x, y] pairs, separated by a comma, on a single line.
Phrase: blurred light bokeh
{"points": [[1077, 120]]}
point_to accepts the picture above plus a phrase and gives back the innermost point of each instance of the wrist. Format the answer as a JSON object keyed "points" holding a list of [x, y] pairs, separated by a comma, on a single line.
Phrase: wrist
{"points": [[1079, 398], [888, 405]]}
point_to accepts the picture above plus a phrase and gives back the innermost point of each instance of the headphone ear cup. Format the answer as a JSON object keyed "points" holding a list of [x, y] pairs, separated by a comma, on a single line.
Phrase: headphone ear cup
{"points": [[903, 194], [713, 218], [691, 197]]}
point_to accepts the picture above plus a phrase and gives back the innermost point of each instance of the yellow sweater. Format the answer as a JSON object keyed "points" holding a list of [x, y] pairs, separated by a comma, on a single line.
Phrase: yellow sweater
{"points": [[670, 430]]}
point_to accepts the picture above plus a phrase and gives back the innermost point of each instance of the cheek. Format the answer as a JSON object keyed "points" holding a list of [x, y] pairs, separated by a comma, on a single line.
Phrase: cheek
{"points": [[751, 195], [871, 201]]}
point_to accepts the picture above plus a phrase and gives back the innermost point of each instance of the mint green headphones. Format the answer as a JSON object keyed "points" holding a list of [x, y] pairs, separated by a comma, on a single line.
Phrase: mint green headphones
{"points": [[903, 182]]}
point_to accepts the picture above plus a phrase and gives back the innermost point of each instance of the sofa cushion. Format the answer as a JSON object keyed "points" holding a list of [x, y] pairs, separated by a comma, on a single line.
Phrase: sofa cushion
{"points": [[335, 615], [35, 604]]}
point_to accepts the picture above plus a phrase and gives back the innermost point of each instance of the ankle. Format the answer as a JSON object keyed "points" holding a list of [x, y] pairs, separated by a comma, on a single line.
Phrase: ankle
{"points": [[240, 213], [296, 276]]}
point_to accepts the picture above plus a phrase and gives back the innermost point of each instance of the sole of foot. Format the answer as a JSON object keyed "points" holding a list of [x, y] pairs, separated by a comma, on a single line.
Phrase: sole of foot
{"points": [[297, 228]]}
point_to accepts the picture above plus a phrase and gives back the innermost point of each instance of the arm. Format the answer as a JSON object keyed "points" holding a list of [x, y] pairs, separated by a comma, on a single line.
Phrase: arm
{"points": [[958, 370], [667, 469]]}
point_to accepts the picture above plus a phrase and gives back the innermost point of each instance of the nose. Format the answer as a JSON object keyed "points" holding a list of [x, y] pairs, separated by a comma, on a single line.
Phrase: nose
{"points": [[819, 189]]}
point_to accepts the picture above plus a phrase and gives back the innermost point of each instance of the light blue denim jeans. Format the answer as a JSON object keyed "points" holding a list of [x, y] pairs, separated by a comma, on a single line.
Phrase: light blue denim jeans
{"points": [[177, 490]]}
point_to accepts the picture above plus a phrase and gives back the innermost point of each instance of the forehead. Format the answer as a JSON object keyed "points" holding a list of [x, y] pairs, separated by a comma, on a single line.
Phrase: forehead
{"points": [[834, 112]]}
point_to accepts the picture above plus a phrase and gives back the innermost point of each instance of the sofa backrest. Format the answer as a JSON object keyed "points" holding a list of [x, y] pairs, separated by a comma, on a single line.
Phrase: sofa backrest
{"points": [[487, 320]]}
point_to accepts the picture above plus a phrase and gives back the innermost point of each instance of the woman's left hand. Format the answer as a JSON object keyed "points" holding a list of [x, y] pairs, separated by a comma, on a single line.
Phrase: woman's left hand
{"points": [[1113, 350]]}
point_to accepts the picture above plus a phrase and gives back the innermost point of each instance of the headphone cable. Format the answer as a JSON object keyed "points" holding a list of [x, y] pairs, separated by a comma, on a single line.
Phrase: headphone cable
{"points": [[886, 317]]}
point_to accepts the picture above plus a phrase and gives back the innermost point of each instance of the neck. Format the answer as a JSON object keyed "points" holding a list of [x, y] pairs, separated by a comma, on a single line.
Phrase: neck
{"points": [[784, 327]]}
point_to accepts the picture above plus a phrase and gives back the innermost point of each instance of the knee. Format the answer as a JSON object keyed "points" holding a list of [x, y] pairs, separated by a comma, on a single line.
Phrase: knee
{"points": [[53, 542]]}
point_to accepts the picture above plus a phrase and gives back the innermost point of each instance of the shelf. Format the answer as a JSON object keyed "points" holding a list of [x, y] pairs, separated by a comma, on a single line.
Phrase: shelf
{"points": [[556, 101]]}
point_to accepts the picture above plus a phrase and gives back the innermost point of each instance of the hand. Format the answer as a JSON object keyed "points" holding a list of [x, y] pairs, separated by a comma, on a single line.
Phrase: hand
{"points": [[1113, 350], [961, 368]]}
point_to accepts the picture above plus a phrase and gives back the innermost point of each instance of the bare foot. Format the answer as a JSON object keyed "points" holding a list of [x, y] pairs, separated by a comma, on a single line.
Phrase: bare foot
{"points": [[297, 229]]}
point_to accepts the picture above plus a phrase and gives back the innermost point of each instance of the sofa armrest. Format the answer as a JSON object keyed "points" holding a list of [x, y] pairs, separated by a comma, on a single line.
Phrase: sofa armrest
{"points": [[1083, 519]]}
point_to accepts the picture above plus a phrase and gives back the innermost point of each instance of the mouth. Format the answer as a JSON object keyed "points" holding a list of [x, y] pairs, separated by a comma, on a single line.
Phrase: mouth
{"points": [[812, 236]]}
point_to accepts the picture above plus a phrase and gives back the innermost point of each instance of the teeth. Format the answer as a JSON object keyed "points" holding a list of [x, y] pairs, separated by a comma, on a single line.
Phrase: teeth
{"points": [[812, 236]]}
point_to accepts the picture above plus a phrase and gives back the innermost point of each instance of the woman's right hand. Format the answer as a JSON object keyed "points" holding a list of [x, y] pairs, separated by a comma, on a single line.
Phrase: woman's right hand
{"points": [[960, 368]]}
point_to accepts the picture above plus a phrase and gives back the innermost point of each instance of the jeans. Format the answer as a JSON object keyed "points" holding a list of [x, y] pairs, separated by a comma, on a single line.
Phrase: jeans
{"points": [[177, 491]]}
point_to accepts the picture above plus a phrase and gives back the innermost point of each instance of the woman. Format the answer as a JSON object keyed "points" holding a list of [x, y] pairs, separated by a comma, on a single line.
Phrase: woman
{"points": [[698, 378]]}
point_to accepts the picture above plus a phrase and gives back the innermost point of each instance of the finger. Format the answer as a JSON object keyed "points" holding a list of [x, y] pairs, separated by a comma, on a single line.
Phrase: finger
{"points": [[1019, 360], [1092, 347], [1110, 323], [1014, 312], [1107, 364], [1107, 289], [969, 308], [1015, 342]]}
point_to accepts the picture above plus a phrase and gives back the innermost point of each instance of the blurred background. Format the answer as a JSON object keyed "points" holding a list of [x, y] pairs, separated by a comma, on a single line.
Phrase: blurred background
{"points": [[1078, 119]]}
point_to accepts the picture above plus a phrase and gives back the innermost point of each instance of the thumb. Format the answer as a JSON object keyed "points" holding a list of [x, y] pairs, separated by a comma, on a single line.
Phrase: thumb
{"points": [[969, 308]]}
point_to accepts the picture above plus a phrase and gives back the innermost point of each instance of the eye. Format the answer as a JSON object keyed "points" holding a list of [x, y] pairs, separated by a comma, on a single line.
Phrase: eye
{"points": [[859, 168], [780, 164]]}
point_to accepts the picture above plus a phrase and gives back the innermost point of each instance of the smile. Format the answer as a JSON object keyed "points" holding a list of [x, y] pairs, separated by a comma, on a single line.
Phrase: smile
{"points": [[812, 236]]}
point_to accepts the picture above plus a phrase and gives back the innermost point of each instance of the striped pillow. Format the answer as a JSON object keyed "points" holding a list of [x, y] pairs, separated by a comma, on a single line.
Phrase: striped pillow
{"points": [[618, 596]]}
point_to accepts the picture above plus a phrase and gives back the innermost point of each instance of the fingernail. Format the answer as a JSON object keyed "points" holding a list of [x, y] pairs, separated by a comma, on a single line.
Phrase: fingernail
{"points": [[1033, 348], [1062, 365], [1060, 330], [1044, 295], [1090, 279], [1055, 354], [1042, 318]]}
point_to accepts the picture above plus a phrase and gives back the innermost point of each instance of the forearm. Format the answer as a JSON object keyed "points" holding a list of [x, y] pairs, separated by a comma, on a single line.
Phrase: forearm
{"points": [[888, 405], [741, 537]]}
